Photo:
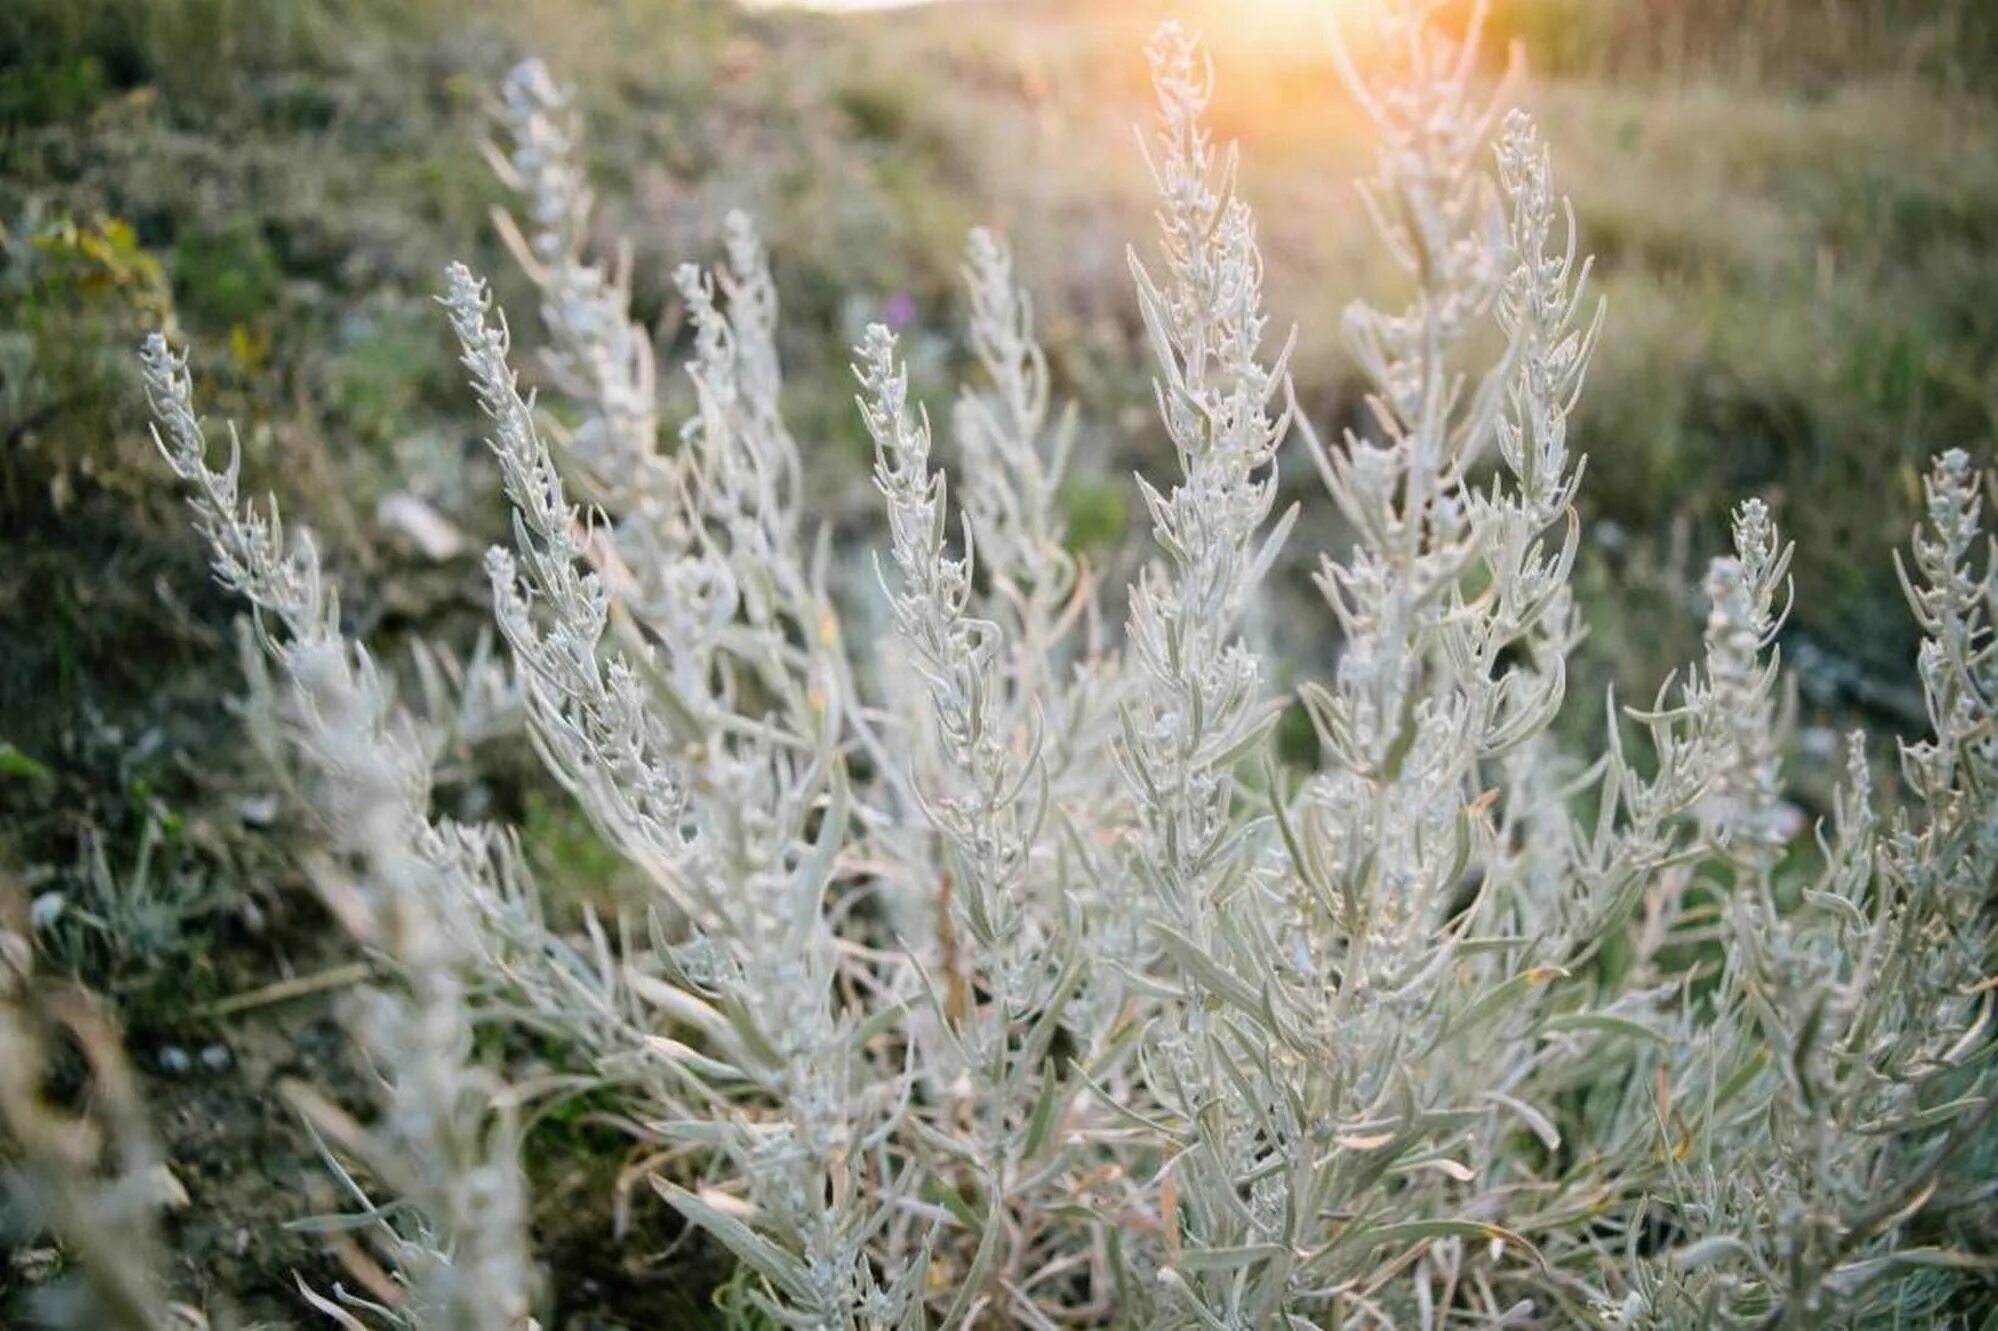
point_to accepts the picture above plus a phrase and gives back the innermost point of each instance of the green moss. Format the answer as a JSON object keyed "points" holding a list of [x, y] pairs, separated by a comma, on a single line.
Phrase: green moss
{"points": [[1297, 739], [75, 297], [1095, 514], [881, 105], [32, 95], [570, 858], [391, 362], [227, 276]]}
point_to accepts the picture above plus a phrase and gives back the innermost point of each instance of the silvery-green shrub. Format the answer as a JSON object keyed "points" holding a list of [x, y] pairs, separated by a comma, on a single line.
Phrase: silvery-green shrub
{"points": [[1003, 978]]}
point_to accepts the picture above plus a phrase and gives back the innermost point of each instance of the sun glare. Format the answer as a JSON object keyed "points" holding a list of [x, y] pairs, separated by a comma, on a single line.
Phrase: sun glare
{"points": [[1298, 15]]}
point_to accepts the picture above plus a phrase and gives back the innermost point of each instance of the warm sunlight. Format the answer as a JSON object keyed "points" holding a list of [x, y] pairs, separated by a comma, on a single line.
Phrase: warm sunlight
{"points": [[1259, 16], [835, 6], [1299, 11], [1285, 30]]}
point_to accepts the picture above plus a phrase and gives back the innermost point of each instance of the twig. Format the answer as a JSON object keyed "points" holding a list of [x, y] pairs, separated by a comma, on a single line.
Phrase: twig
{"points": [[339, 977]]}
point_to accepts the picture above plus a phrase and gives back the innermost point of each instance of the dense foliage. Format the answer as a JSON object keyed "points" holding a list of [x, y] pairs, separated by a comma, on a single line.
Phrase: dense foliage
{"points": [[998, 973]]}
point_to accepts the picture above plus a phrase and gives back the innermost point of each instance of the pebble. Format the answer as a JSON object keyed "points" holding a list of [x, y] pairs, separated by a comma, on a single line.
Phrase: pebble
{"points": [[1820, 744], [36, 1264], [259, 810], [421, 525], [48, 908]]}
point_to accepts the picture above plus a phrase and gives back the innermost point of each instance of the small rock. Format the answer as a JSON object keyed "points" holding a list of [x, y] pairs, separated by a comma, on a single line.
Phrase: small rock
{"points": [[35, 1265], [48, 908], [423, 526], [1820, 744], [258, 810]]}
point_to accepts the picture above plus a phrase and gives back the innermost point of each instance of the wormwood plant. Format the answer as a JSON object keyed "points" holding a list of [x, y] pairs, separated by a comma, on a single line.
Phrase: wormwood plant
{"points": [[1015, 983]]}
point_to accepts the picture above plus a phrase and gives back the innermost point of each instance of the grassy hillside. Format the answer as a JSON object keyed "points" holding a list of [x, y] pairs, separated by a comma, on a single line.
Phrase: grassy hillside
{"points": [[1795, 209]]}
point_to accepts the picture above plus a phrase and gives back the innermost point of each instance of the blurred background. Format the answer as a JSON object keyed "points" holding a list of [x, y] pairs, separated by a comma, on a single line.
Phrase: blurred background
{"points": [[1794, 204]]}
